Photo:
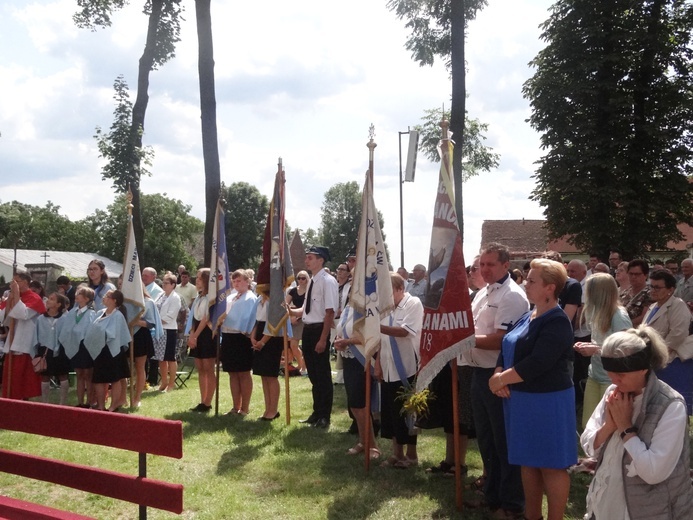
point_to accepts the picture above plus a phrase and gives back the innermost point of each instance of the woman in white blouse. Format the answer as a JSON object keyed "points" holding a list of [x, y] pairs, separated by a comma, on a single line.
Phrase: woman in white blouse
{"points": [[639, 435], [169, 304]]}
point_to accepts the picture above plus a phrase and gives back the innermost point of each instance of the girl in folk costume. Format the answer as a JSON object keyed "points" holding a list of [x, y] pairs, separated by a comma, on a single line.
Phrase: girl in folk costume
{"points": [[21, 310], [48, 328], [236, 347], [107, 340], [201, 343], [71, 337], [98, 281], [147, 329]]}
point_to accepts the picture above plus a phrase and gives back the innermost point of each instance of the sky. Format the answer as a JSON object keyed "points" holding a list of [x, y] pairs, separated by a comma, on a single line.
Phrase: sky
{"points": [[298, 80]]}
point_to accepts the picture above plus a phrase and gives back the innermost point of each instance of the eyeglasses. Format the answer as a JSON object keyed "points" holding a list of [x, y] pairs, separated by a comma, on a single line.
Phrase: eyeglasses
{"points": [[657, 287]]}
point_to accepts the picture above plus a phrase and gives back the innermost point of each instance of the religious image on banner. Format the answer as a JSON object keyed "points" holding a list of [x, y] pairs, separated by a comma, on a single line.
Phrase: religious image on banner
{"points": [[132, 287], [371, 288], [448, 326], [275, 273], [219, 279]]}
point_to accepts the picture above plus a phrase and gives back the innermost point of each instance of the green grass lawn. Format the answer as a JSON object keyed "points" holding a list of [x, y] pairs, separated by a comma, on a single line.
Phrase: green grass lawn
{"points": [[240, 468]]}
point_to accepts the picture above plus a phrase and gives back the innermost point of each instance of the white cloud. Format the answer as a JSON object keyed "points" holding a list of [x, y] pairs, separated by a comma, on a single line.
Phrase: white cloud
{"points": [[301, 81]]}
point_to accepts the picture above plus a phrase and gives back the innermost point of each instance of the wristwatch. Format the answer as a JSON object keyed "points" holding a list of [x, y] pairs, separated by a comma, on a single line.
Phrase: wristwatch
{"points": [[632, 429]]}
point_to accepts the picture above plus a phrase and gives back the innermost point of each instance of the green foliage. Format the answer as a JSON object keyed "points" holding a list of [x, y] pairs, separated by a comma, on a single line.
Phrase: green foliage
{"points": [[96, 13], [611, 97], [340, 221], [34, 227], [246, 215], [476, 156], [126, 159], [166, 19], [171, 231], [429, 22]]}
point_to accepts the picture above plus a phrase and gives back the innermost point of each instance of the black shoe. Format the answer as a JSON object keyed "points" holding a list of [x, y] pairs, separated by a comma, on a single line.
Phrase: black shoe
{"points": [[311, 420], [322, 423], [201, 408], [263, 418]]}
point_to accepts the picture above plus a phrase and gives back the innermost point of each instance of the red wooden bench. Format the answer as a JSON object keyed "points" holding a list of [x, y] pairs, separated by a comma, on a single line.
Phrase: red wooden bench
{"points": [[127, 432]]}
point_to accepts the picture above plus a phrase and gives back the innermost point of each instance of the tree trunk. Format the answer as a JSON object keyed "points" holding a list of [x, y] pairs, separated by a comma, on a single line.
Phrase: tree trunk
{"points": [[208, 109], [137, 128], [457, 110]]}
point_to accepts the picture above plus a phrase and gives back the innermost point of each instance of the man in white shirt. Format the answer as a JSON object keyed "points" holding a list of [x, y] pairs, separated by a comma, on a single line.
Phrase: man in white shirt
{"points": [[496, 308], [149, 282], [186, 290], [318, 311]]}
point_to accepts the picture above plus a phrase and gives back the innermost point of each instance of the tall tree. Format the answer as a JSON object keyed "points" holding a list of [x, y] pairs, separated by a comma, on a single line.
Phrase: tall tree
{"points": [[340, 220], [163, 32], [478, 157], [208, 109], [246, 215], [171, 234], [611, 97], [438, 29]]}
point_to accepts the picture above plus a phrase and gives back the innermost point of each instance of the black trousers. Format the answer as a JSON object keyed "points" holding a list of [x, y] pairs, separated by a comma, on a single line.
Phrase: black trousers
{"points": [[319, 371]]}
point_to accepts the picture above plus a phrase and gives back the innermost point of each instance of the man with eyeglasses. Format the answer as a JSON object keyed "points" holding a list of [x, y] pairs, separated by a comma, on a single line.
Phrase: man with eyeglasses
{"points": [[419, 283], [637, 299], [614, 259]]}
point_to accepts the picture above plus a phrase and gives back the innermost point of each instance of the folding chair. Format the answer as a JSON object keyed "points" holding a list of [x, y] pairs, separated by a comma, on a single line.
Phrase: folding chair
{"points": [[186, 363]]}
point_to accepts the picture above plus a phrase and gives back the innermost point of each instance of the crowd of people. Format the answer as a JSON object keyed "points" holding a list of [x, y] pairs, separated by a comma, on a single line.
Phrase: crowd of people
{"points": [[604, 345]]}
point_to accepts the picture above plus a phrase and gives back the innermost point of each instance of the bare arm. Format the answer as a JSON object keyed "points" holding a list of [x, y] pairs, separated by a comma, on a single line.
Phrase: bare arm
{"points": [[490, 341]]}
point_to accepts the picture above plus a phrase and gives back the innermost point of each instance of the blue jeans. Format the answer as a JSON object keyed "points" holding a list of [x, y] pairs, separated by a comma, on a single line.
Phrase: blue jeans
{"points": [[503, 487]]}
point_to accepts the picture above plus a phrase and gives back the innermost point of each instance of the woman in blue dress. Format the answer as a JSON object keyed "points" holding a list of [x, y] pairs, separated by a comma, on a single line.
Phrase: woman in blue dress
{"points": [[534, 377]]}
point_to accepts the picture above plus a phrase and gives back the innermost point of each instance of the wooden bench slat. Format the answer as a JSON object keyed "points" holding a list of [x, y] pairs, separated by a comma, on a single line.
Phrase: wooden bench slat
{"points": [[143, 491], [127, 432], [13, 509]]}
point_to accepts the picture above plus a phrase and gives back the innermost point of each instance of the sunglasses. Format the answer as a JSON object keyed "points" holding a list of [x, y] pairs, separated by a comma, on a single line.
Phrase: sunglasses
{"points": [[301, 278]]}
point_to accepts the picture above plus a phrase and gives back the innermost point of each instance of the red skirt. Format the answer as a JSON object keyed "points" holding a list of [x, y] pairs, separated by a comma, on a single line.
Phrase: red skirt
{"points": [[25, 382]]}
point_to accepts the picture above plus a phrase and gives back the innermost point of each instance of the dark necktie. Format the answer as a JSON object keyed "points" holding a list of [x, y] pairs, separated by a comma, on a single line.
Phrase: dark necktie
{"points": [[310, 292]]}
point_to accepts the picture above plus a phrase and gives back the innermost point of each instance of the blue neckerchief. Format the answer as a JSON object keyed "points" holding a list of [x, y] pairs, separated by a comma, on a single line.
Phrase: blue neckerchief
{"points": [[397, 358], [356, 352], [652, 314]]}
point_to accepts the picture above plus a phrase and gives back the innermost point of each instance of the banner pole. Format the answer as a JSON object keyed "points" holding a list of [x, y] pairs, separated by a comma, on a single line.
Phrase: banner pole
{"points": [[287, 399]]}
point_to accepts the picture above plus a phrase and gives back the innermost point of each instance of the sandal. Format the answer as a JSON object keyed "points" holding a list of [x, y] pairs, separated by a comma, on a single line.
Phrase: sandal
{"points": [[374, 453], [358, 448], [403, 464], [390, 462], [445, 469], [478, 484]]}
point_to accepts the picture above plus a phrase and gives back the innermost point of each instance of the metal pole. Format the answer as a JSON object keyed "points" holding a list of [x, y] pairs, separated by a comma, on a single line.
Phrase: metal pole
{"points": [[401, 204]]}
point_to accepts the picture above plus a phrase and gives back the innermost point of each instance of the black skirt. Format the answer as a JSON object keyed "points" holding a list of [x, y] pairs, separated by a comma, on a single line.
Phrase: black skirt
{"points": [[236, 352], [105, 368], [82, 359], [143, 343], [171, 340], [57, 363], [206, 346], [266, 361]]}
